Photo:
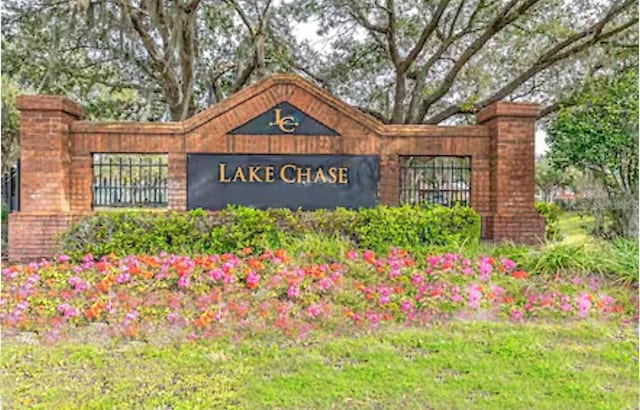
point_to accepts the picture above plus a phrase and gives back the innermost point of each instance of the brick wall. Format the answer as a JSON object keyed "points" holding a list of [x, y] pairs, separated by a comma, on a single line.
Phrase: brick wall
{"points": [[57, 147]]}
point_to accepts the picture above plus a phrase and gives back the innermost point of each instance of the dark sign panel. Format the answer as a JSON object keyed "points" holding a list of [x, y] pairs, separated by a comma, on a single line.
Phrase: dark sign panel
{"points": [[282, 181], [284, 119]]}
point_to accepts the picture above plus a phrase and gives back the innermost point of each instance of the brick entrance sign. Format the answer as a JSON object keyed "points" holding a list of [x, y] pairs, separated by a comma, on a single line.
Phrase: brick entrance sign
{"points": [[281, 138]]}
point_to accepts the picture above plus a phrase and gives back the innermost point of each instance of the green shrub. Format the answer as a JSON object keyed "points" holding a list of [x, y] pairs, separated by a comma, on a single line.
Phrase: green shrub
{"points": [[317, 247], [620, 259], [561, 258], [235, 228], [551, 213]]}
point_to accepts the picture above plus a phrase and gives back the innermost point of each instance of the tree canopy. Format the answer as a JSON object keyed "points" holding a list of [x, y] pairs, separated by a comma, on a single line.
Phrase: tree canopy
{"points": [[401, 60], [597, 131]]}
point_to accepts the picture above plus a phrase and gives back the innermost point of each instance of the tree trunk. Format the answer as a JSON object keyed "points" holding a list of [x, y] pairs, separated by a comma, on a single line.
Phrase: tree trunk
{"points": [[629, 215]]}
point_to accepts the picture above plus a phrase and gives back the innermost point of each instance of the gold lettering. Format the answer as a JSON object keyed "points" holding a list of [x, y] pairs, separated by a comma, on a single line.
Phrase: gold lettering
{"points": [[239, 175], [222, 177], [342, 176], [253, 177], [268, 173], [286, 124], [306, 173], [333, 175], [320, 175], [283, 173]]}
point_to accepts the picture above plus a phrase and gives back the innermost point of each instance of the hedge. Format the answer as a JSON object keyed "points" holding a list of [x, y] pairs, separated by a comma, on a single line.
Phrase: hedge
{"points": [[235, 228]]}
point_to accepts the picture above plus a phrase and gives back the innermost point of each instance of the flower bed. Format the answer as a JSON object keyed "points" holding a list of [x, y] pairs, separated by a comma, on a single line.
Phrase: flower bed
{"points": [[223, 295]]}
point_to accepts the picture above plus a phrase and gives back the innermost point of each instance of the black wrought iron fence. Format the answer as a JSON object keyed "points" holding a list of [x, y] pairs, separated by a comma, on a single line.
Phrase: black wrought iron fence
{"points": [[10, 187], [443, 180], [130, 181]]}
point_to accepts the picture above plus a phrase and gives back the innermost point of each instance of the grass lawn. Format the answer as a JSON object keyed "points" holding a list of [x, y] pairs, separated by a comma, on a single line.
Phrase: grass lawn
{"points": [[459, 365], [575, 229]]}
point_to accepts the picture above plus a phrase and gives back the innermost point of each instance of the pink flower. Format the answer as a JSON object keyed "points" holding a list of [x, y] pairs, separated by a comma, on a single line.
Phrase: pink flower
{"points": [[314, 310], [434, 260], [406, 306], [373, 318], [62, 258], [67, 310], [474, 295], [607, 300], [584, 304], [131, 316], [216, 274], [184, 281], [78, 284], [467, 271], [352, 255], [383, 300], [576, 280], [123, 278], [293, 292], [508, 264], [417, 279], [325, 284], [368, 255], [516, 315], [252, 280], [565, 307], [456, 297], [485, 270]]}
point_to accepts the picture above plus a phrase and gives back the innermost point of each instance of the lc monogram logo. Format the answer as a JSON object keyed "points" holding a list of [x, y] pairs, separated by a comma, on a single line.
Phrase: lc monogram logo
{"points": [[286, 124]]}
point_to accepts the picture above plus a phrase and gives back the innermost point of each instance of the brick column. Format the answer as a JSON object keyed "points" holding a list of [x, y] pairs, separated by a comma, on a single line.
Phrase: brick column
{"points": [[177, 181], [389, 184], [512, 215], [45, 174]]}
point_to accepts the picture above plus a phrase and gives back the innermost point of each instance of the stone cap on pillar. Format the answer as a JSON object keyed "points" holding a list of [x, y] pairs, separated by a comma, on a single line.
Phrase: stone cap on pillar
{"points": [[48, 102], [508, 109]]}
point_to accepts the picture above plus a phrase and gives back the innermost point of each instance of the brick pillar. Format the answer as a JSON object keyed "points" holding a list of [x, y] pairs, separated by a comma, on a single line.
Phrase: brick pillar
{"points": [[389, 185], [512, 215], [45, 174], [177, 181]]}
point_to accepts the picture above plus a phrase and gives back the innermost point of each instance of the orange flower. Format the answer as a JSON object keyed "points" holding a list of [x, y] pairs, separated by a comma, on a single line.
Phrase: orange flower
{"points": [[255, 263], [388, 316], [520, 274], [247, 251], [131, 331], [95, 310], [507, 299], [105, 284]]}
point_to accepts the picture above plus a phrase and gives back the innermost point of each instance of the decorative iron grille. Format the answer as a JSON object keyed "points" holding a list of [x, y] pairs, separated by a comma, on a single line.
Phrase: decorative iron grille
{"points": [[443, 180], [130, 181], [11, 189]]}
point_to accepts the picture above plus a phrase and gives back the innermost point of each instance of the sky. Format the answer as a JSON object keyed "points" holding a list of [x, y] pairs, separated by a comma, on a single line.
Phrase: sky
{"points": [[308, 31]]}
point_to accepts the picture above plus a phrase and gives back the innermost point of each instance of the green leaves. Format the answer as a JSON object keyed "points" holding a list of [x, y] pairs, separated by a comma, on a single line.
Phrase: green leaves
{"points": [[598, 132], [236, 228]]}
